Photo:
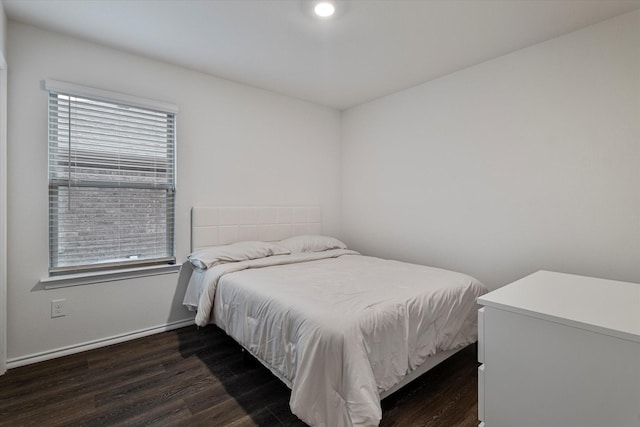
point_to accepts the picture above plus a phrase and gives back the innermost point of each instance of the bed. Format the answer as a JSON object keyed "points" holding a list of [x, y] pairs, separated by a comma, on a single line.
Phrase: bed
{"points": [[341, 329]]}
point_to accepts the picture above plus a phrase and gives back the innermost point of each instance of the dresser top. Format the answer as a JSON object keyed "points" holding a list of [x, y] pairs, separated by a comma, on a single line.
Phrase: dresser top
{"points": [[598, 305]]}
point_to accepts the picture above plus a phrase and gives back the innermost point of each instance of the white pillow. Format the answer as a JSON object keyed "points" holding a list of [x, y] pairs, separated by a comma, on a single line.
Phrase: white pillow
{"points": [[311, 243], [240, 251]]}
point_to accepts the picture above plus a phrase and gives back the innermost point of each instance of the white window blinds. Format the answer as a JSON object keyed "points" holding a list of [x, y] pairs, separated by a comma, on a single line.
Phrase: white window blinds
{"points": [[111, 180]]}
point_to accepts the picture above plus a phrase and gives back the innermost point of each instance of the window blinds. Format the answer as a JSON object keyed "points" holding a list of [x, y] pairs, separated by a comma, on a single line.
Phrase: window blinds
{"points": [[111, 183]]}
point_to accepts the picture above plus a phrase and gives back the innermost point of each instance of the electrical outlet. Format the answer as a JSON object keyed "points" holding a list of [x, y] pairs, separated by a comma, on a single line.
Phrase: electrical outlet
{"points": [[57, 308]]}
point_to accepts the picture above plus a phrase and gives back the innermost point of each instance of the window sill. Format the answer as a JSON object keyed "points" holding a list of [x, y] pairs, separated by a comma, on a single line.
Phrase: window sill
{"points": [[67, 280]]}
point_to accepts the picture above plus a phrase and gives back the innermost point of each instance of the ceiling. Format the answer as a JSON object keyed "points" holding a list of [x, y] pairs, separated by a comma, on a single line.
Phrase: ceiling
{"points": [[369, 49]]}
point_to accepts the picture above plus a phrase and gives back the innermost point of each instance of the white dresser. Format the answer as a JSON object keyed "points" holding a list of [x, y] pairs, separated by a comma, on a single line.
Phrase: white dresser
{"points": [[559, 350]]}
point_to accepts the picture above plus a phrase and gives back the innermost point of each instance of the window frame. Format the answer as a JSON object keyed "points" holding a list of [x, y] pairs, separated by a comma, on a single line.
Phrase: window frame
{"points": [[98, 268]]}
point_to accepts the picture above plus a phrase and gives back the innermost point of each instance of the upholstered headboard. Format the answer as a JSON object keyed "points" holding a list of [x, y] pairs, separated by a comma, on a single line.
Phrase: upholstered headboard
{"points": [[216, 225]]}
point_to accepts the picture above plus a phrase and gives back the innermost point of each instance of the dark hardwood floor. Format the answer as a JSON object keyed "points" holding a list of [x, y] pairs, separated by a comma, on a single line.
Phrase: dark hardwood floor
{"points": [[199, 377]]}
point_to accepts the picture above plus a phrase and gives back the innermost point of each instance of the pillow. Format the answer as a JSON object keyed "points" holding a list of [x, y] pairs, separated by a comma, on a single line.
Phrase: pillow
{"points": [[311, 243], [240, 251]]}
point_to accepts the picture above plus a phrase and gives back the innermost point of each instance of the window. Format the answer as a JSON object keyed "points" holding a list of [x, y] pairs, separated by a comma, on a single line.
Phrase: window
{"points": [[111, 180]]}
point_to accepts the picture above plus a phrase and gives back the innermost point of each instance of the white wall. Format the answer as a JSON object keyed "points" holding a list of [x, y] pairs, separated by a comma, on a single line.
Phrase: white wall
{"points": [[236, 145], [3, 189], [525, 162], [529, 161]]}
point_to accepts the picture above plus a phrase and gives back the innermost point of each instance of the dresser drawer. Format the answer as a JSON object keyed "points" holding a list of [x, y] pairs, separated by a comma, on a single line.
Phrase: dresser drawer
{"points": [[481, 393], [481, 335]]}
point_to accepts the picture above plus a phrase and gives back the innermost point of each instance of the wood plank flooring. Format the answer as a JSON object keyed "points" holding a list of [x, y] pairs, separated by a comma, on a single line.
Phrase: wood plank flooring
{"points": [[199, 377]]}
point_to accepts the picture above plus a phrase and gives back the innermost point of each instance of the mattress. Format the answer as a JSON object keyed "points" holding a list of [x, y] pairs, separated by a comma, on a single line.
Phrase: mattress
{"points": [[337, 327]]}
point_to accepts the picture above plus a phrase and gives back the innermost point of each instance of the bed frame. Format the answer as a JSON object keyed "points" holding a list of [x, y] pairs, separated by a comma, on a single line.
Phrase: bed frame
{"points": [[222, 225]]}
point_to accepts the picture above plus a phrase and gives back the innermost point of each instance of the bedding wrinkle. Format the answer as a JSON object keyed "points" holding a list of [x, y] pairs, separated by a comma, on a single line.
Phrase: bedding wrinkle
{"points": [[339, 328]]}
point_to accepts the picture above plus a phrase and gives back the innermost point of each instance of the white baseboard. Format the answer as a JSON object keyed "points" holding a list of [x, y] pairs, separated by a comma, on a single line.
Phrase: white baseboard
{"points": [[78, 348]]}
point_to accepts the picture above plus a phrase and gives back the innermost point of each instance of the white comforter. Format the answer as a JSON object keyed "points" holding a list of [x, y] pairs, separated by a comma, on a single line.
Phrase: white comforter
{"points": [[336, 326]]}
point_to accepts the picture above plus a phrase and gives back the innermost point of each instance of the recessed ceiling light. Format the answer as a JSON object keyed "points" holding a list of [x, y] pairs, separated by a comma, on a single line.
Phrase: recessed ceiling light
{"points": [[324, 9]]}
